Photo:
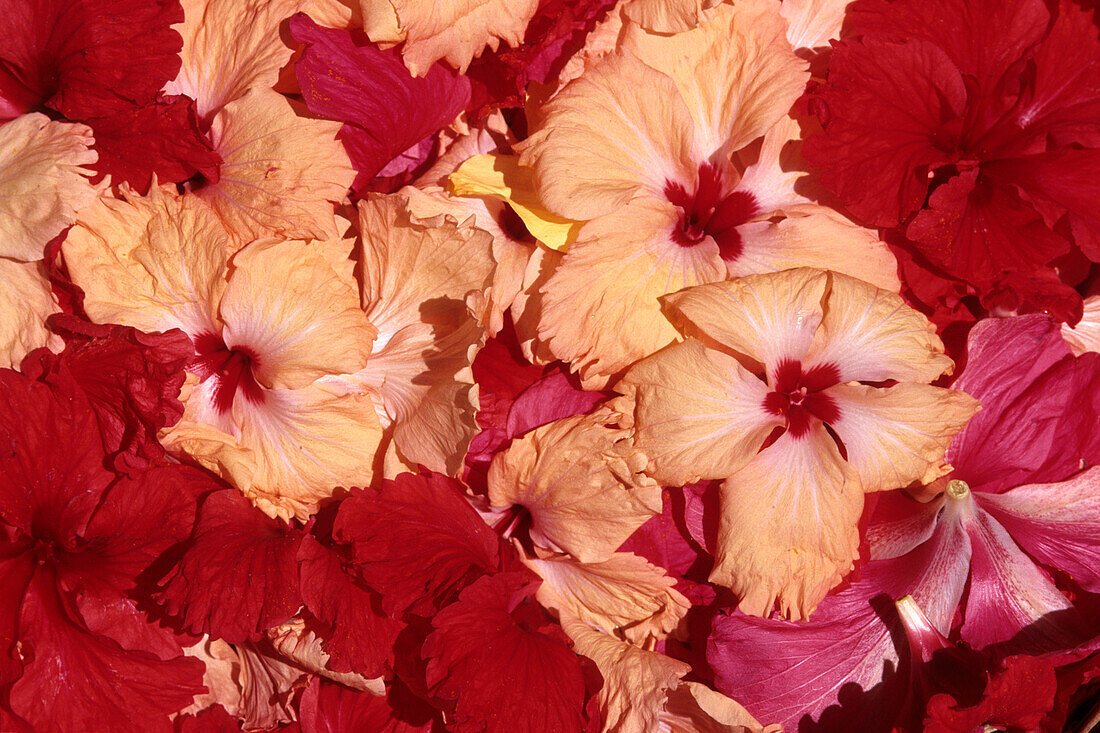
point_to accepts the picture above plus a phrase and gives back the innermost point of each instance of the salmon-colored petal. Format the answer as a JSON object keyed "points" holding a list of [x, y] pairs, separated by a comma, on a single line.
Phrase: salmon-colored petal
{"points": [[42, 181], [230, 46], [871, 335], [767, 318], [1085, 336], [281, 174], [286, 303], [333, 13], [668, 16], [898, 435], [597, 146], [600, 308], [455, 30], [771, 179], [624, 595], [582, 483], [222, 667], [813, 23], [736, 72], [635, 682], [155, 262], [696, 413], [300, 643], [25, 302], [695, 708], [788, 530], [287, 453], [817, 237]]}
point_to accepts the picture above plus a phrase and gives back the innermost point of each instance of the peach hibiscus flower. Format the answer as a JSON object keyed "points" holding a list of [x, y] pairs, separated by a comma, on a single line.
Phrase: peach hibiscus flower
{"points": [[272, 326], [803, 390], [655, 147]]}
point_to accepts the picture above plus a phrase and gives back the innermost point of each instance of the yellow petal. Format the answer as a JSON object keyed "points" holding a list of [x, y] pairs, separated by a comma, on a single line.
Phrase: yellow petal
{"points": [[454, 30], [42, 182], [230, 46], [25, 303], [582, 483], [281, 174], [288, 304], [501, 178], [898, 435], [736, 72], [767, 318], [623, 595], [600, 309], [696, 412], [871, 335], [788, 529], [635, 682], [155, 262], [597, 146]]}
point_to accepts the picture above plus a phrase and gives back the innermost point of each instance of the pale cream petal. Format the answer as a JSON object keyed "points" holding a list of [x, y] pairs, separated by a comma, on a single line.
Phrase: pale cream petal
{"points": [[288, 304], [299, 643], [598, 144], [822, 239], [25, 303], [695, 708], [288, 452], [582, 483], [281, 173], [1085, 336], [624, 595], [230, 46], [898, 435], [696, 413], [871, 335], [736, 72], [43, 183], [771, 185], [788, 529], [635, 682], [155, 262], [454, 30], [813, 23], [767, 318], [601, 310], [668, 16]]}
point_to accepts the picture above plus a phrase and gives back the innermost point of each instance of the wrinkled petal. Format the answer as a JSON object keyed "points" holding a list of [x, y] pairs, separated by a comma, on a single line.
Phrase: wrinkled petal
{"points": [[813, 23], [668, 16], [1085, 336], [25, 303]]}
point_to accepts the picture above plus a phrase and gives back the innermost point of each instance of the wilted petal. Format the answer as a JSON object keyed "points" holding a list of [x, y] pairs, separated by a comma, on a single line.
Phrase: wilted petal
{"points": [[871, 335], [42, 183], [623, 595], [155, 262], [600, 309], [696, 412], [228, 48], [582, 483], [767, 318], [788, 531], [281, 173], [25, 302], [898, 435], [635, 682]]}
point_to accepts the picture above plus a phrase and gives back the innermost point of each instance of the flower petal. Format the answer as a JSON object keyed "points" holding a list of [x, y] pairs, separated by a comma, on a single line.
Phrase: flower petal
{"points": [[1085, 336], [25, 302], [788, 530]]}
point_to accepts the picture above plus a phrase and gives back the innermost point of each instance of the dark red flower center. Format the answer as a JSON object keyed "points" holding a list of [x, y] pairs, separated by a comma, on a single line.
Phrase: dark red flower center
{"points": [[799, 396], [709, 211], [232, 370]]}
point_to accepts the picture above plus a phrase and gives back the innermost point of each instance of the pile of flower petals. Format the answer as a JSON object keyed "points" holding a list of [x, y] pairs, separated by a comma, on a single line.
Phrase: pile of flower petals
{"points": [[549, 365]]}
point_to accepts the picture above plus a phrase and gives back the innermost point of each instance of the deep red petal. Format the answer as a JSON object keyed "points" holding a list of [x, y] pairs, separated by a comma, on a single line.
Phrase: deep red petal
{"points": [[1016, 698], [332, 708]]}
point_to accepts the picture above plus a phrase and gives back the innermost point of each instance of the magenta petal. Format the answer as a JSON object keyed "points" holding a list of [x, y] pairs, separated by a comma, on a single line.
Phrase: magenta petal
{"points": [[1057, 524], [899, 524], [345, 77]]}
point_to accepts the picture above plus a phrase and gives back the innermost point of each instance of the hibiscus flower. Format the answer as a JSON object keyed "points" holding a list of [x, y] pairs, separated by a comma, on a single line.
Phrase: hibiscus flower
{"points": [[803, 390]]}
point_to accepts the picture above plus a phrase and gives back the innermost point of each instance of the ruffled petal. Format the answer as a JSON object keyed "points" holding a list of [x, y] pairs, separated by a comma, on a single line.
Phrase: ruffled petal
{"points": [[154, 263], [42, 183], [582, 483], [1085, 336], [768, 318], [898, 435], [281, 173], [600, 309], [668, 16], [696, 413], [25, 303], [813, 23], [788, 533], [871, 335]]}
